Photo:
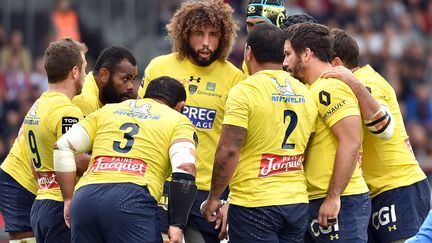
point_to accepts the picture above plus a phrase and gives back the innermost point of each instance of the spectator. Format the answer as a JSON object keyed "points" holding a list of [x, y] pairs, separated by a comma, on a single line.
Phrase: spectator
{"points": [[39, 78], [15, 50], [65, 21]]}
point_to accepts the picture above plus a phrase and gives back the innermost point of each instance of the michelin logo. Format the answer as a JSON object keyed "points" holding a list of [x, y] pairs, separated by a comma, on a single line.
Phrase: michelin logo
{"points": [[200, 117]]}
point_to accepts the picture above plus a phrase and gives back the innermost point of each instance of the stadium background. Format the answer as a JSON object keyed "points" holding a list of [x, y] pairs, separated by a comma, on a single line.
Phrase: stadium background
{"points": [[394, 36]]}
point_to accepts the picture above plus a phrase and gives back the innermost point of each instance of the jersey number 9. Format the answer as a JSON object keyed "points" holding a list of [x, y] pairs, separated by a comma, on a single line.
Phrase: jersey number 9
{"points": [[33, 148]]}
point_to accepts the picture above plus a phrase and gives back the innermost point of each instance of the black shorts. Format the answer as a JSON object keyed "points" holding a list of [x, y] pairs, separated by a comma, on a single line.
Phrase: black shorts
{"points": [[399, 213], [114, 212], [15, 204]]}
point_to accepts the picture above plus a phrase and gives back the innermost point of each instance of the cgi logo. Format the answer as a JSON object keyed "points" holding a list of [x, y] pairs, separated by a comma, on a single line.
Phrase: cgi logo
{"points": [[331, 230], [200, 117], [383, 217]]}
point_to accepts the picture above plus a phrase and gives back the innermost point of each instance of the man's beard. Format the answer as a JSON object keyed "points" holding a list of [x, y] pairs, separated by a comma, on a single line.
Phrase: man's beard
{"points": [[297, 71], [199, 61], [111, 95], [79, 85]]}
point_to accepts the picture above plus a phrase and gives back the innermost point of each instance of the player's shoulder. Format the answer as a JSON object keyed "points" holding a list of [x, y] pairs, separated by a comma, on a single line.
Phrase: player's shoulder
{"points": [[329, 84], [231, 67], [371, 78], [163, 59]]}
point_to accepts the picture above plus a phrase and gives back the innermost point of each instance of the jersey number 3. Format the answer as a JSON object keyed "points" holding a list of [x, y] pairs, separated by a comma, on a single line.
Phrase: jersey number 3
{"points": [[128, 136], [292, 124]]}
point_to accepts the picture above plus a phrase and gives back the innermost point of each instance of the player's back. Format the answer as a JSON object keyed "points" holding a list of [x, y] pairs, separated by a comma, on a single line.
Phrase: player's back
{"points": [[279, 114], [131, 142], [49, 117], [387, 164]]}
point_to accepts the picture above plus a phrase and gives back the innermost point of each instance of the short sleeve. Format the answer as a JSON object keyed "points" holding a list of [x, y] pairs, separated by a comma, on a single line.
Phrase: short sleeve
{"points": [[378, 92], [185, 130], [90, 124], [69, 116], [237, 108], [335, 101]]}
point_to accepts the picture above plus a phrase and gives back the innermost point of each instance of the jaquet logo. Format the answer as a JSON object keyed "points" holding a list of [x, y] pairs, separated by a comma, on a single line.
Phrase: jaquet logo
{"points": [[275, 164]]}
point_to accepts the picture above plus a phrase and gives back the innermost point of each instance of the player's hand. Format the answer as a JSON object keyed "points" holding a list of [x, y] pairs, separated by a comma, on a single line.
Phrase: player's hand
{"points": [[221, 222], [175, 234], [210, 208], [66, 211], [329, 211], [342, 73]]}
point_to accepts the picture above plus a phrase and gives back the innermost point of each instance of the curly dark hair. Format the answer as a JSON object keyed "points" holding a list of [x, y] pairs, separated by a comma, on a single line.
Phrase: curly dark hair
{"points": [[297, 19], [196, 14]]}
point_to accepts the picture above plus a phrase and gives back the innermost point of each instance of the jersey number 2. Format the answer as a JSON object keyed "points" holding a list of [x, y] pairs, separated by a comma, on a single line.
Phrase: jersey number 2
{"points": [[292, 124], [128, 136]]}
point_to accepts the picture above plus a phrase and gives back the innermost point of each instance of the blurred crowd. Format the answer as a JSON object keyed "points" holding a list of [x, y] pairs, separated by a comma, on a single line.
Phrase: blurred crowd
{"points": [[394, 36]]}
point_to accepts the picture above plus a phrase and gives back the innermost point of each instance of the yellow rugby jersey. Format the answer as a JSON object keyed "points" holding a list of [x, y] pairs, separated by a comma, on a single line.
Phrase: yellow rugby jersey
{"points": [[207, 89], [387, 164], [131, 142], [335, 101], [279, 114], [17, 165], [88, 101], [47, 120]]}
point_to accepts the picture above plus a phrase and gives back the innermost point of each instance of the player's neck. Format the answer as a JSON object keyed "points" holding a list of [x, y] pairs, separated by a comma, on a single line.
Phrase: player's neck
{"points": [[355, 69], [315, 70], [62, 87], [265, 66]]}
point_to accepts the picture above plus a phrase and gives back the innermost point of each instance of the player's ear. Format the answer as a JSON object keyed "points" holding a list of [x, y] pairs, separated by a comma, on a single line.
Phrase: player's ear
{"points": [[337, 62], [75, 72], [104, 75], [248, 53], [179, 106]]}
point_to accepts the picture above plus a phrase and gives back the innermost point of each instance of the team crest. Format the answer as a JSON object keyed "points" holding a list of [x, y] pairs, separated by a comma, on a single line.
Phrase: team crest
{"points": [[192, 88]]}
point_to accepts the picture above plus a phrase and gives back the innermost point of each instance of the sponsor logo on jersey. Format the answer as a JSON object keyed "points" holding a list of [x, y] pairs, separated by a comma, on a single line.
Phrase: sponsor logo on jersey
{"points": [[67, 123], [211, 86], [197, 79], [275, 164], [137, 111], [296, 99], [200, 92], [286, 93], [47, 180], [119, 164], [333, 109], [196, 89], [31, 117], [324, 98], [200, 117]]}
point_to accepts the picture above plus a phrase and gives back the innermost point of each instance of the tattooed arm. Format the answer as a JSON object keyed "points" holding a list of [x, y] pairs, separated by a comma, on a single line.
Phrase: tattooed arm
{"points": [[226, 159]]}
